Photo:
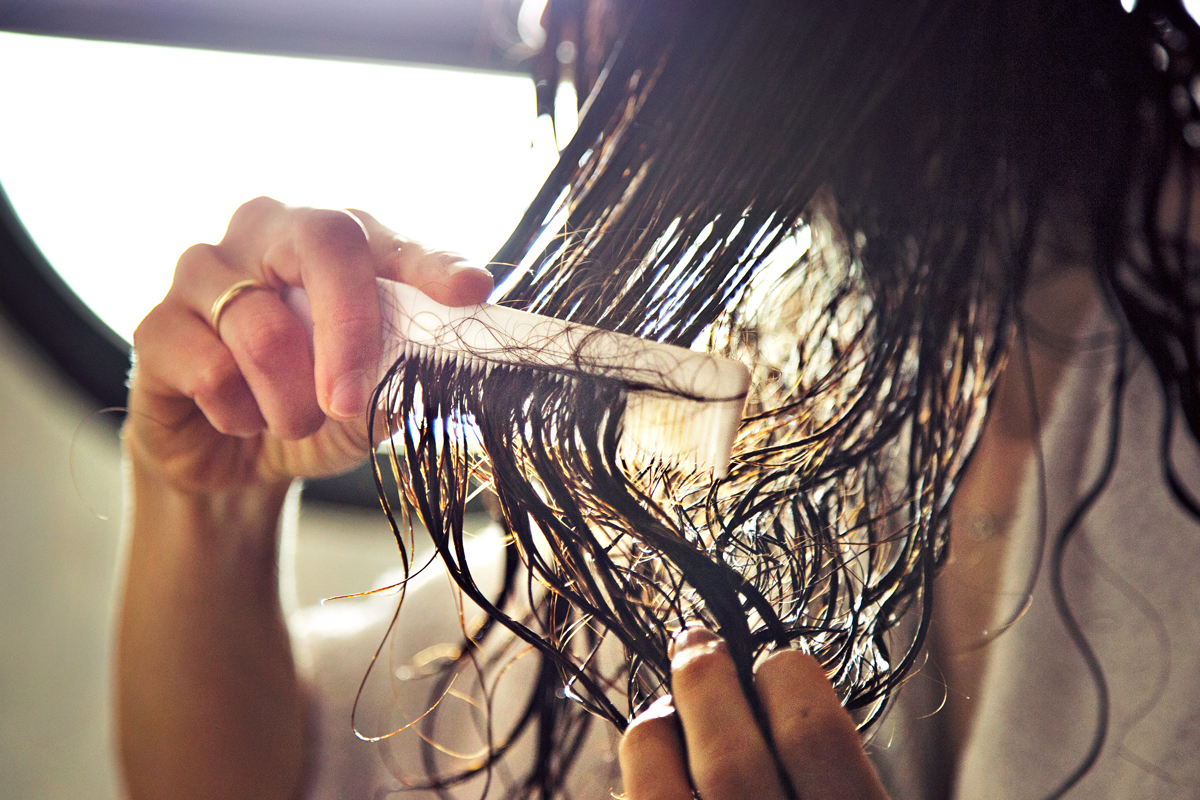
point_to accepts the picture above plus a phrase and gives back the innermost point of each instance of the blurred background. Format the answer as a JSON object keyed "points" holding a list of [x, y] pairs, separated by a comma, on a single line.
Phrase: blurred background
{"points": [[134, 129]]}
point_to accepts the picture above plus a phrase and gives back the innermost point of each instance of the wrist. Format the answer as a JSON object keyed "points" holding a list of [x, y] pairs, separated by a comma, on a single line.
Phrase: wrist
{"points": [[230, 534]]}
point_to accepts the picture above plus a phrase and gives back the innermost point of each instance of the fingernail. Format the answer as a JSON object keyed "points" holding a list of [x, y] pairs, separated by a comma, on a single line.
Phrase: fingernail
{"points": [[690, 643], [662, 707], [351, 394]]}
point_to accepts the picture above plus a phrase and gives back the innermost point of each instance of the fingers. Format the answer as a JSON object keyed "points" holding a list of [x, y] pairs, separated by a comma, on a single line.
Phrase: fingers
{"points": [[265, 348], [180, 356], [651, 756], [726, 755], [336, 256], [329, 254], [814, 736], [270, 346], [195, 388], [443, 276], [260, 370]]}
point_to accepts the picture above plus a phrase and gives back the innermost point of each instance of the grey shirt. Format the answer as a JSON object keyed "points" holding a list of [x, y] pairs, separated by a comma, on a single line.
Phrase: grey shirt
{"points": [[1131, 574]]}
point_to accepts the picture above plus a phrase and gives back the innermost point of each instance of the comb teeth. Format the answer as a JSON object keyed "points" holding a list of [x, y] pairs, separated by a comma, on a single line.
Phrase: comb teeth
{"points": [[690, 434], [684, 407]]}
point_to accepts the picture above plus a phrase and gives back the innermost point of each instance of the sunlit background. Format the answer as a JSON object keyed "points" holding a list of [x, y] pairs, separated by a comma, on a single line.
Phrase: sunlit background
{"points": [[126, 154]]}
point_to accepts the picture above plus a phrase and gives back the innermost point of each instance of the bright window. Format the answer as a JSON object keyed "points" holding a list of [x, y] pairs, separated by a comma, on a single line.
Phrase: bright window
{"points": [[117, 157]]}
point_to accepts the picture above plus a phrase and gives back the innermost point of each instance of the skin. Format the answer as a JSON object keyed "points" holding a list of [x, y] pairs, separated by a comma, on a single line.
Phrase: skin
{"points": [[968, 586], [221, 422], [219, 425], [726, 755]]}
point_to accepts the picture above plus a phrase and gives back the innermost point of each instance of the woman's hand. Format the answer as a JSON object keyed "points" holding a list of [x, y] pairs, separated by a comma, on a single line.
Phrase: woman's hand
{"points": [[252, 403], [220, 421], [722, 749]]}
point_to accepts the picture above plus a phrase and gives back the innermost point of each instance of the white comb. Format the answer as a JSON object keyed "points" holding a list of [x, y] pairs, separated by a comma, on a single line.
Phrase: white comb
{"points": [[683, 407]]}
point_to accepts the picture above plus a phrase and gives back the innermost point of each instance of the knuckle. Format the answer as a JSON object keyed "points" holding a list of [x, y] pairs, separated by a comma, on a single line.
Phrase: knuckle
{"points": [[332, 229], [249, 220], [807, 718], [256, 210], [442, 259], [263, 338], [352, 325], [369, 222], [194, 261], [144, 331], [298, 425], [812, 729], [216, 381], [733, 769], [406, 257], [789, 667]]}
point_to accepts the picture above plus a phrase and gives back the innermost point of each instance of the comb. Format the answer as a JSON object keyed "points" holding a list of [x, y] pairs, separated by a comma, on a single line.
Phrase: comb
{"points": [[683, 407]]}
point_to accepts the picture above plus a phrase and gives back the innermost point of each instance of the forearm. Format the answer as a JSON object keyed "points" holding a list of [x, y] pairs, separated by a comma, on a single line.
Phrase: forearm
{"points": [[208, 701]]}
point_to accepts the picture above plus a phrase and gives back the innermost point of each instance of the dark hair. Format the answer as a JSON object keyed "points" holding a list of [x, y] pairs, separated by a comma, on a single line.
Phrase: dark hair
{"points": [[845, 196]]}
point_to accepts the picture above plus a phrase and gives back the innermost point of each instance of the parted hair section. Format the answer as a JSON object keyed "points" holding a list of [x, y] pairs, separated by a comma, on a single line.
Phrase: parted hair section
{"points": [[843, 197]]}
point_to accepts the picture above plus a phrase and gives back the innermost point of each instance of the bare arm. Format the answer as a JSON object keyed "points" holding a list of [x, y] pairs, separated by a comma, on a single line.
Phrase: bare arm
{"points": [[209, 703], [219, 424]]}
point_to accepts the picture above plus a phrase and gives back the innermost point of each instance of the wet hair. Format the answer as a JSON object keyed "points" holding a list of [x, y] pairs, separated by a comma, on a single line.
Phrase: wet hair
{"points": [[845, 196]]}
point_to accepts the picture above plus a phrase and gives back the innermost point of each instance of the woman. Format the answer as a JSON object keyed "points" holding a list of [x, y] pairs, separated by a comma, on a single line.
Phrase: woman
{"points": [[961, 156]]}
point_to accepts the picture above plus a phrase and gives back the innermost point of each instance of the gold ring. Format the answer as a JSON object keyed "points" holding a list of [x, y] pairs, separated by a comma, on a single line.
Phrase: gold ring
{"points": [[228, 296]]}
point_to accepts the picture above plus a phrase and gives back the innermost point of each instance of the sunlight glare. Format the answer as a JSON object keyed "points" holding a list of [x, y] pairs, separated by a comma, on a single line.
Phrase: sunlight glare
{"points": [[117, 157]]}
